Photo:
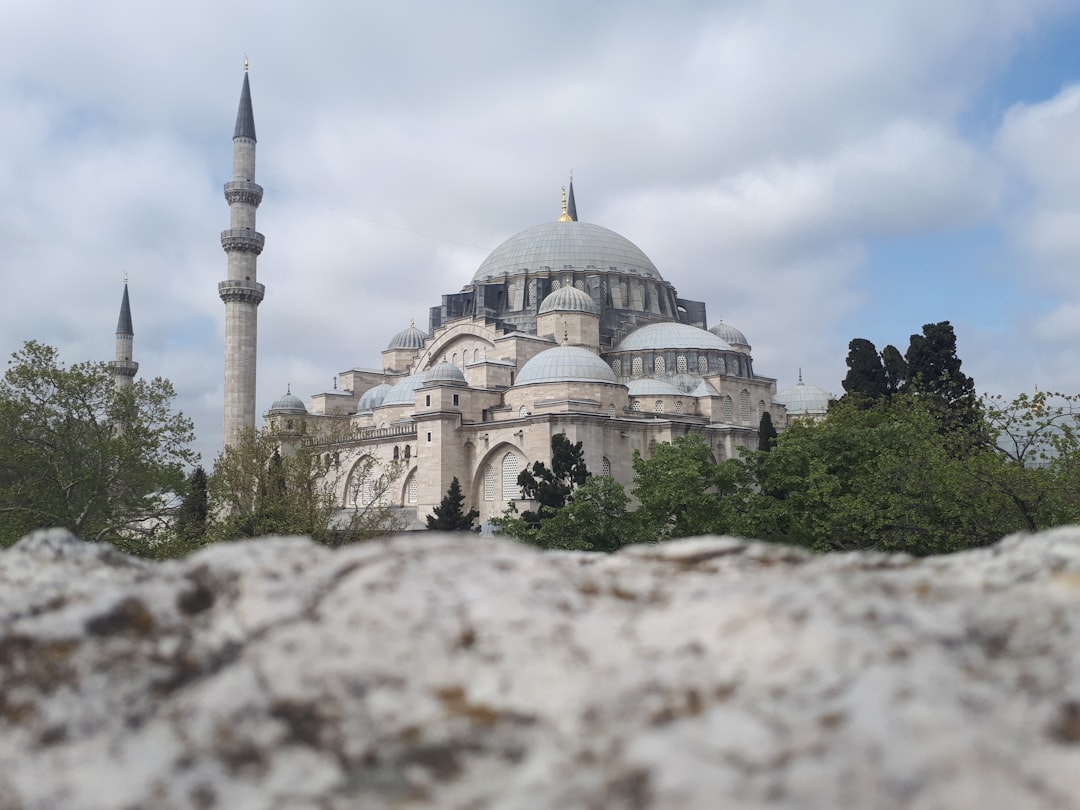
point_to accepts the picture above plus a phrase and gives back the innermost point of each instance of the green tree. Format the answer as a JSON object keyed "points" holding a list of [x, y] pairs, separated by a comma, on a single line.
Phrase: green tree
{"points": [[449, 514], [255, 490], [933, 369], [551, 488], [193, 512], [895, 368], [595, 518], [866, 379], [766, 432], [79, 453], [682, 491]]}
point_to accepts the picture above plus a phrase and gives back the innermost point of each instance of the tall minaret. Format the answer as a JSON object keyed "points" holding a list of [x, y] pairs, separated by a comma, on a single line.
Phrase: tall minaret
{"points": [[241, 293], [123, 367]]}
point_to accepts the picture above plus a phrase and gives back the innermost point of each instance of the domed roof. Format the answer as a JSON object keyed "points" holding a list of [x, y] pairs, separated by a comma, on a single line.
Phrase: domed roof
{"points": [[289, 402], [411, 338], [565, 364], [558, 244], [804, 399], [373, 397], [671, 336], [403, 392], [442, 373], [569, 299], [727, 332], [647, 387]]}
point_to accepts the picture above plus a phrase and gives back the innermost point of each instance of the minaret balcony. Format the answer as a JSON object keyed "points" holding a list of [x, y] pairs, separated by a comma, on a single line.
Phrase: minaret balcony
{"points": [[242, 240], [124, 368], [243, 191], [244, 292]]}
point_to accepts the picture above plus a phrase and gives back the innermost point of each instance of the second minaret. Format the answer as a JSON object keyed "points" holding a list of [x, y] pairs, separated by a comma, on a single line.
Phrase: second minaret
{"points": [[241, 292]]}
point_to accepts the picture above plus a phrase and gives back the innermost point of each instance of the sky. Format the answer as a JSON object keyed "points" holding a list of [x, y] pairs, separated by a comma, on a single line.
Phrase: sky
{"points": [[813, 171]]}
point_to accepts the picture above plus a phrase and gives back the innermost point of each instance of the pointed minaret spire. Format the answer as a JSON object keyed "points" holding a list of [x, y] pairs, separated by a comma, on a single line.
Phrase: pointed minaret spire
{"points": [[123, 367], [241, 292], [571, 206]]}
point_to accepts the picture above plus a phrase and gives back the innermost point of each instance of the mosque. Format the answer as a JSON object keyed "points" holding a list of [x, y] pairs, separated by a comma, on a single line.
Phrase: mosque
{"points": [[566, 327]]}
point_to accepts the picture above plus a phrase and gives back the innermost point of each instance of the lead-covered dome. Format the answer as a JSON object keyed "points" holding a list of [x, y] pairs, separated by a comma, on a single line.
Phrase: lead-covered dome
{"points": [[411, 338], [565, 364], [555, 245], [403, 392], [804, 399], [657, 336], [442, 373], [288, 403], [373, 397], [729, 333], [569, 299]]}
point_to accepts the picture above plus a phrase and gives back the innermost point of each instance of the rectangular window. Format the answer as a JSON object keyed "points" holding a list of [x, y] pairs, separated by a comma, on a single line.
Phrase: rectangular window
{"points": [[429, 438], [455, 399], [427, 400]]}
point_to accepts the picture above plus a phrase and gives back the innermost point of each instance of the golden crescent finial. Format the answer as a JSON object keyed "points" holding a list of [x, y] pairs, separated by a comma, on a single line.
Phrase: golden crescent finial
{"points": [[125, 278], [564, 217], [245, 63]]}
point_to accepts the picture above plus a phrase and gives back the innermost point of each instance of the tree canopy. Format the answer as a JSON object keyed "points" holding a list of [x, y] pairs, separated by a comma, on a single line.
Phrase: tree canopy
{"points": [[79, 453], [449, 514]]}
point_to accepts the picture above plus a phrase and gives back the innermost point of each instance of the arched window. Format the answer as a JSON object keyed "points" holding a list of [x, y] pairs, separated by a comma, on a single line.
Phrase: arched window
{"points": [[635, 405], [523, 412], [532, 293], [658, 365], [744, 406], [511, 288], [611, 409], [760, 409], [413, 488], [489, 483], [408, 452], [476, 355], [580, 285], [454, 361], [511, 466], [635, 366], [556, 284], [680, 364], [702, 364], [605, 467], [396, 453], [622, 295], [361, 487], [616, 366], [658, 406], [729, 410], [678, 406]]}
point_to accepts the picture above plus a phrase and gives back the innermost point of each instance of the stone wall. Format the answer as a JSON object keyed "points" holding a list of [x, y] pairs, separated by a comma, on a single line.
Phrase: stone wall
{"points": [[454, 672]]}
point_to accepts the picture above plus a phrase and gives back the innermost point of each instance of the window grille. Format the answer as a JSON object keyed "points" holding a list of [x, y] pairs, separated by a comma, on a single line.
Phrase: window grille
{"points": [[636, 405], [605, 467], [616, 366], [680, 364], [703, 364], [658, 365], [744, 407], [636, 366], [658, 406], [489, 483], [413, 489], [510, 469], [678, 406], [523, 412], [729, 410]]}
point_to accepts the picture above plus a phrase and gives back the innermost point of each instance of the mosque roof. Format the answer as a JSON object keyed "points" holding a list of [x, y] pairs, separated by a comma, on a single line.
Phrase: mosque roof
{"points": [[556, 245], [568, 299], [289, 402], [704, 389], [442, 373], [648, 387], [403, 392], [411, 338], [671, 335], [565, 364], [804, 399], [373, 397], [726, 331]]}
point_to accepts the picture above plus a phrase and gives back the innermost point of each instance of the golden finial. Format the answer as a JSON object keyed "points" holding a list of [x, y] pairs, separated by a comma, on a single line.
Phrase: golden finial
{"points": [[564, 217], [125, 278], [245, 63], [412, 323]]}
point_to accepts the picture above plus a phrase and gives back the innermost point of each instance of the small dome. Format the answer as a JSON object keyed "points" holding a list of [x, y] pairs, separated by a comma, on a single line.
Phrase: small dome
{"points": [[411, 338], [558, 244], [403, 392], [671, 335], [373, 397], [565, 364], [646, 387], [288, 403], [729, 333], [442, 373], [569, 299], [804, 399]]}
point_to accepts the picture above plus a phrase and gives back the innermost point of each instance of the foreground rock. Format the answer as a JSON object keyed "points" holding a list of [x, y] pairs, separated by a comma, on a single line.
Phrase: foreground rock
{"points": [[450, 672]]}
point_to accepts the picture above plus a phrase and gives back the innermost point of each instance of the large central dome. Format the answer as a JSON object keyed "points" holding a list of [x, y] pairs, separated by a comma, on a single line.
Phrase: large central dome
{"points": [[554, 245]]}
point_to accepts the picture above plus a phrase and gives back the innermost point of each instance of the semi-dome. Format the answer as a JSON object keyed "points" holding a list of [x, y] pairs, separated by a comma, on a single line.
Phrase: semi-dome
{"points": [[442, 373], [804, 399], [649, 387], [288, 403], [726, 331], [671, 335], [411, 338], [569, 299], [565, 364], [373, 397], [403, 392], [555, 245]]}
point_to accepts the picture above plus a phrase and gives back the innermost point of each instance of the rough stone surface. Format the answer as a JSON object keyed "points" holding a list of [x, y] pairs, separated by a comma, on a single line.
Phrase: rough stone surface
{"points": [[438, 671]]}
